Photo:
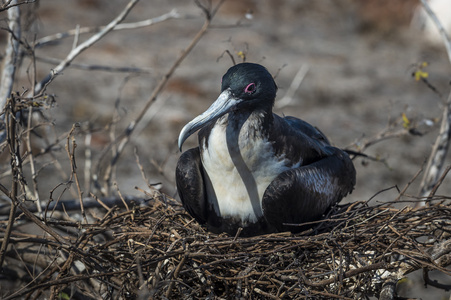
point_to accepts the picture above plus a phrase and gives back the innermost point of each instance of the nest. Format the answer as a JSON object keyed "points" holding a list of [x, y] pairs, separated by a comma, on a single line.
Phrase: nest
{"points": [[157, 250]]}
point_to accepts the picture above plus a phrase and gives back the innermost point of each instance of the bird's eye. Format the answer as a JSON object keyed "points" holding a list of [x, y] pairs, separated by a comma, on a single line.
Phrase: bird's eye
{"points": [[250, 88]]}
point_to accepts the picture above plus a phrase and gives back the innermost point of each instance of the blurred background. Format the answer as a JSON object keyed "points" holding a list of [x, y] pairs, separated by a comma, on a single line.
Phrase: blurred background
{"points": [[357, 56]]}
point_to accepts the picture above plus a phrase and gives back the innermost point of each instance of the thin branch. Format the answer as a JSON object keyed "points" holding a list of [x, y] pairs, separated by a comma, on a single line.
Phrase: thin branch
{"points": [[403, 191], [32, 162], [438, 153], [439, 182], [74, 203], [85, 45], [89, 67], [386, 134], [123, 139], [440, 28], [73, 165], [14, 4], [88, 162], [347, 274], [61, 281], [294, 86], [173, 14], [15, 161], [10, 58]]}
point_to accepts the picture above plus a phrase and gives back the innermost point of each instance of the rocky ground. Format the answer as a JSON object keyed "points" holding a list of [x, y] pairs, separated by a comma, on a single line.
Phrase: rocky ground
{"points": [[360, 56]]}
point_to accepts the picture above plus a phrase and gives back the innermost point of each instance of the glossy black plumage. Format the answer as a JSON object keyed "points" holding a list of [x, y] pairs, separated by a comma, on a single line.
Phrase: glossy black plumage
{"points": [[254, 169]]}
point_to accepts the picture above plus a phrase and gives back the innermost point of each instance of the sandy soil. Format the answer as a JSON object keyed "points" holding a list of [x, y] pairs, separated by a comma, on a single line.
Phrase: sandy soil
{"points": [[360, 57]]}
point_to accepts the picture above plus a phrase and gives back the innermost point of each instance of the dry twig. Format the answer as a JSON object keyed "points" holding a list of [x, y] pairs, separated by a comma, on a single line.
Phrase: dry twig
{"points": [[352, 253], [173, 14]]}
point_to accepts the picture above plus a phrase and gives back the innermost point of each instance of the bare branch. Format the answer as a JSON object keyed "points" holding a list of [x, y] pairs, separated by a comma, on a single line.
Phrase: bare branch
{"points": [[386, 134], [10, 58], [123, 140], [173, 14], [32, 162], [14, 4], [85, 45], [294, 86], [438, 153], [442, 31], [89, 67], [15, 162]]}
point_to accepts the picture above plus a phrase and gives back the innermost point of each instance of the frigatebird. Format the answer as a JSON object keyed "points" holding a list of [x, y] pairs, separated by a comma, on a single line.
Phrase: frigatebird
{"points": [[253, 169]]}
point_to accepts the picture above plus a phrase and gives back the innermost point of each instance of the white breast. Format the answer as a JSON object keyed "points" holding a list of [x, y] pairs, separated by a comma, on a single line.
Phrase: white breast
{"points": [[240, 166]]}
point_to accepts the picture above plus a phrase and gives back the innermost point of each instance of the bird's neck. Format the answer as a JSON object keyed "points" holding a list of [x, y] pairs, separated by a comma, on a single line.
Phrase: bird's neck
{"points": [[252, 124]]}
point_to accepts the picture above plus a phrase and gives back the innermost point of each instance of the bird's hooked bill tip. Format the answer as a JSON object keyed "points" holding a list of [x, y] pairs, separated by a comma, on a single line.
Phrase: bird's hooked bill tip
{"points": [[220, 107], [184, 134]]}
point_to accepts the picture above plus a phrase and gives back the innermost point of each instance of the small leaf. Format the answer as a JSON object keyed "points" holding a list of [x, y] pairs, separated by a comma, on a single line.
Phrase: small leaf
{"points": [[405, 121], [420, 74]]}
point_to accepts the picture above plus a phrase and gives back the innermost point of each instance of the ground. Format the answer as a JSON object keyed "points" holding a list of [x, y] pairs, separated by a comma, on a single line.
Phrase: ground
{"points": [[360, 58]]}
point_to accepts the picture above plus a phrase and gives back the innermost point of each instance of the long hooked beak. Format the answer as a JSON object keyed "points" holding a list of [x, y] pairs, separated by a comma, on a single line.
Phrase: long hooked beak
{"points": [[221, 106]]}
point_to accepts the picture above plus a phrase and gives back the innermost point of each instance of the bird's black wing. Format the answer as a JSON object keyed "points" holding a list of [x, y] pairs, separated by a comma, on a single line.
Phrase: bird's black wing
{"points": [[303, 194], [325, 175], [297, 140], [309, 130], [190, 184]]}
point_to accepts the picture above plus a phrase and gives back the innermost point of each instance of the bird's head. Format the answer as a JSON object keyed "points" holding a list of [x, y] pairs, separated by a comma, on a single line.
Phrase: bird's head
{"points": [[244, 86]]}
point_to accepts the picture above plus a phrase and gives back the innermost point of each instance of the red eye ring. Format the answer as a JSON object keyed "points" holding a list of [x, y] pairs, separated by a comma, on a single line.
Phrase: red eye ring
{"points": [[250, 88]]}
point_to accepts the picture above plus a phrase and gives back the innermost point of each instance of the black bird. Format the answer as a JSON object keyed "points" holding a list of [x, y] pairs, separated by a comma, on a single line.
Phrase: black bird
{"points": [[254, 169]]}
